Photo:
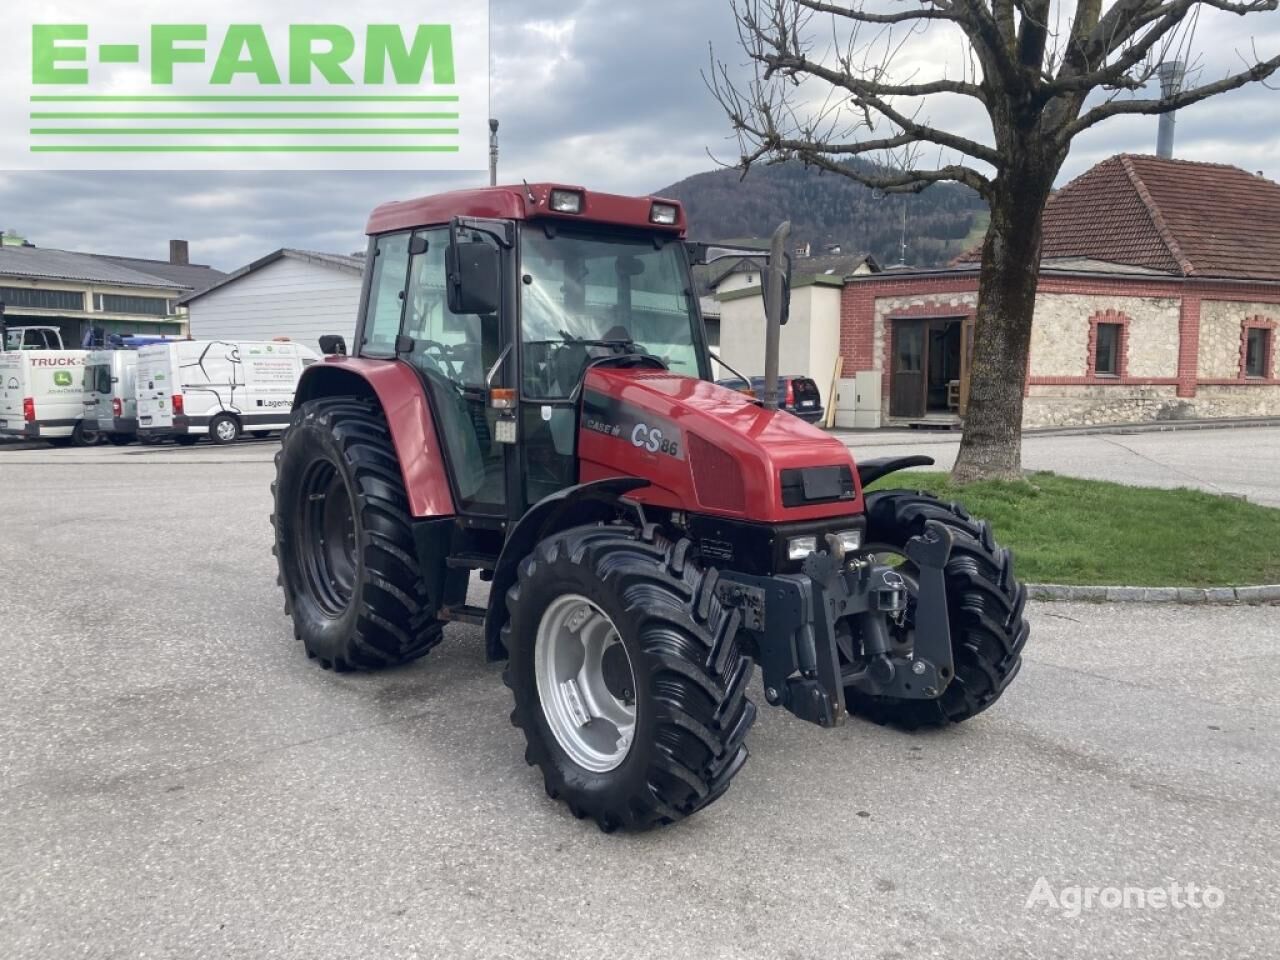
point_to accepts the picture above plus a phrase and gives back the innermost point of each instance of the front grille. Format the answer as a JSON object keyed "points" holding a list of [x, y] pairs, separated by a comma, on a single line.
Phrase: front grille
{"points": [[717, 478], [805, 486]]}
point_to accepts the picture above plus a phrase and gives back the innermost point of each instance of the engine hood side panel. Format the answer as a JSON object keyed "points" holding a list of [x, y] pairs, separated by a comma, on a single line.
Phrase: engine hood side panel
{"points": [[654, 424]]}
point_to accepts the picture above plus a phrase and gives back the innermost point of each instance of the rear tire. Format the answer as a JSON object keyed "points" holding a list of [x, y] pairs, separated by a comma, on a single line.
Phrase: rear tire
{"points": [[83, 436], [985, 606], [689, 677], [344, 541], [224, 428]]}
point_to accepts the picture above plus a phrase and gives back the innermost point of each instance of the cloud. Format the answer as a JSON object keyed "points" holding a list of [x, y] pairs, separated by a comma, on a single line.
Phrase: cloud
{"points": [[597, 92]]}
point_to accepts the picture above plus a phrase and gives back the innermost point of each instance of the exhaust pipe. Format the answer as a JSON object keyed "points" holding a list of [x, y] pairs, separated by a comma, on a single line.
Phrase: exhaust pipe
{"points": [[774, 310]]}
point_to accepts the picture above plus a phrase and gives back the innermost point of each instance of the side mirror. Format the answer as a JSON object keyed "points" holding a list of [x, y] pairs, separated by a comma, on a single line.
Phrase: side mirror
{"points": [[784, 308], [333, 345], [474, 277]]}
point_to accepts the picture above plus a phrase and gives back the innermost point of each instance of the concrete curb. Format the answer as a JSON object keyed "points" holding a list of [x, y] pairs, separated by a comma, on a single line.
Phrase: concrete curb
{"points": [[1054, 591], [1103, 429]]}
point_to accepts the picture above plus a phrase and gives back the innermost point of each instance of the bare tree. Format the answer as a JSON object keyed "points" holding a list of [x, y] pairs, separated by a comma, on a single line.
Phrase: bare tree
{"points": [[832, 81]]}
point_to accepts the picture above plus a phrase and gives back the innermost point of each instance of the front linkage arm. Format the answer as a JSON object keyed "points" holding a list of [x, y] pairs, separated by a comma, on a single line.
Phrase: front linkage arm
{"points": [[795, 619]]}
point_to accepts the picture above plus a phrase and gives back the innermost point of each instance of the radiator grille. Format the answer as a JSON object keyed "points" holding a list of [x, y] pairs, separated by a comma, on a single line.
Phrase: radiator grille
{"points": [[716, 477]]}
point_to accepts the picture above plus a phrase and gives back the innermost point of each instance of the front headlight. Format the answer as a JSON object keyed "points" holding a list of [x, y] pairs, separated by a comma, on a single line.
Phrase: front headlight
{"points": [[850, 540], [800, 547]]}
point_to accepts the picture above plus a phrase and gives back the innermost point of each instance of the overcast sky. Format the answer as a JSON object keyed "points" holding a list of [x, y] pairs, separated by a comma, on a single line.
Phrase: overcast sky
{"points": [[604, 93]]}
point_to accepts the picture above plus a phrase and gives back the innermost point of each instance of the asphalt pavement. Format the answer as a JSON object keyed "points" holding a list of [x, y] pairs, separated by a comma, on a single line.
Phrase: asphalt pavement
{"points": [[178, 780]]}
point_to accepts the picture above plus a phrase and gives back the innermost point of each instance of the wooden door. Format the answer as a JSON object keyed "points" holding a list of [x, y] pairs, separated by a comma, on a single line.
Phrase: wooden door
{"points": [[966, 361], [909, 363]]}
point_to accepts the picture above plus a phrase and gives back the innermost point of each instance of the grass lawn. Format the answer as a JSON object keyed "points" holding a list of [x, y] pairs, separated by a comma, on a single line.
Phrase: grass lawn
{"points": [[1064, 530]]}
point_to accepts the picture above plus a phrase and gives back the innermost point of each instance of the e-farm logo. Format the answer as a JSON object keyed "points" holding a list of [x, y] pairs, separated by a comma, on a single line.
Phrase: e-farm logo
{"points": [[310, 87]]}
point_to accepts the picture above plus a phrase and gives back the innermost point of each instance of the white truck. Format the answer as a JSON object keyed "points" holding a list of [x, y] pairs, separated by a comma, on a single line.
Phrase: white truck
{"points": [[188, 389], [110, 401], [42, 397], [32, 338]]}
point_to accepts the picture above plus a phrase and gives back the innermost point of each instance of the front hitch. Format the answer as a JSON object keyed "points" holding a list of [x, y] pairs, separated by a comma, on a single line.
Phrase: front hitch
{"points": [[794, 619]]}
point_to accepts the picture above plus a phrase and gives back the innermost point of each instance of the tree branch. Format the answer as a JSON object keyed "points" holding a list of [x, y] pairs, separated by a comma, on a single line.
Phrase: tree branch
{"points": [[1259, 71], [865, 95], [859, 15]]}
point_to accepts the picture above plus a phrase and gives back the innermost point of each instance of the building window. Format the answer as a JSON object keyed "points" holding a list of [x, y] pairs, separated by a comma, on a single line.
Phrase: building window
{"points": [[1108, 345], [147, 306], [1107, 352], [1257, 348], [41, 299]]}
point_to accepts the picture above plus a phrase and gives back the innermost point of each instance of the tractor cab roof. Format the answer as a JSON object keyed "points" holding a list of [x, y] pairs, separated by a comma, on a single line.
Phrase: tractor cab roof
{"points": [[526, 202]]}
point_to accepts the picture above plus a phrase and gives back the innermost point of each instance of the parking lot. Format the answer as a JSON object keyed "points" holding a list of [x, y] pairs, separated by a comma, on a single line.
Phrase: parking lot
{"points": [[178, 780]]}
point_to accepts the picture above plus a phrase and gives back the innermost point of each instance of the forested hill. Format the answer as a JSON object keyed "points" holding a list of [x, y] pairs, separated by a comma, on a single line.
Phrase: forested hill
{"points": [[826, 209]]}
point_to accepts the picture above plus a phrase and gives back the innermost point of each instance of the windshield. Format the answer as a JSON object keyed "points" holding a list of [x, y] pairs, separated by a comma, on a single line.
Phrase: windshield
{"points": [[585, 295]]}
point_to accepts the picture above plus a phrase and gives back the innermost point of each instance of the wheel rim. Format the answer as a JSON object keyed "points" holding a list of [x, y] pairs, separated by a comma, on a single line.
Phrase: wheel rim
{"points": [[226, 430], [585, 683], [327, 538]]}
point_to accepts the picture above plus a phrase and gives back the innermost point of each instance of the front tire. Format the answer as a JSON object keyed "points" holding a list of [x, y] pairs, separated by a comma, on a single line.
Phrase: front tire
{"points": [[344, 541], [985, 607], [678, 658]]}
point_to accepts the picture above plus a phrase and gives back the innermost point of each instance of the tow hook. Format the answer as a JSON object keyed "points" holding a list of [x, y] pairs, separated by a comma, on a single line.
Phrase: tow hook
{"points": [[929, 669]]}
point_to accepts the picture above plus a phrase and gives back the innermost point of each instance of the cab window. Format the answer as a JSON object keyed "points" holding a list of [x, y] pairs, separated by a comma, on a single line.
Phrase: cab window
{"points": [[386, 296]]}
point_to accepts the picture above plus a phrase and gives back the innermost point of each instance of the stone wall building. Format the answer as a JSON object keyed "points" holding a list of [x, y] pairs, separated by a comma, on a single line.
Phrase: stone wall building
{"points": [[1159, 299]]}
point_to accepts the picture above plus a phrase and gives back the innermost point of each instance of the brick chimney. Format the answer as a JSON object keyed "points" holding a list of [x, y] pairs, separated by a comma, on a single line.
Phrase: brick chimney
{"points": [[178, 253]]}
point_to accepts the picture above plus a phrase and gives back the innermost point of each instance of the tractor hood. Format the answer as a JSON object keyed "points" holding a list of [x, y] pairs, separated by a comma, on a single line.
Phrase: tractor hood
{"points": [[708, 449]]}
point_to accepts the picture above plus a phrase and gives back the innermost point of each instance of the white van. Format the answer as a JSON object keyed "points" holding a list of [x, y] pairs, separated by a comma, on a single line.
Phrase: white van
{"points": [[188, 389], [42, 396], [110, 402]]}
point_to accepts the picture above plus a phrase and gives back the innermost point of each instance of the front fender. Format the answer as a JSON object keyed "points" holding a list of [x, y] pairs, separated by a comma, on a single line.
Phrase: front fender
{"points": [[570, 507]]}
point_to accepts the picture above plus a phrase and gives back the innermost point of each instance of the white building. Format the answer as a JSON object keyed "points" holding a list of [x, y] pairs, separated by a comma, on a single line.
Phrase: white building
{"points": [[299, 294]]}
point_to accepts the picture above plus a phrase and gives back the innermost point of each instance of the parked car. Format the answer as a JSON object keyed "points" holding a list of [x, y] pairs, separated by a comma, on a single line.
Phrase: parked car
{"points": [[799, 395]]}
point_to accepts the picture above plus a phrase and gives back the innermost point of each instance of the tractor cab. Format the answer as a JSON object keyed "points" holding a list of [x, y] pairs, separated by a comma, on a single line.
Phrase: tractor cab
{"points": [[503, 300]]}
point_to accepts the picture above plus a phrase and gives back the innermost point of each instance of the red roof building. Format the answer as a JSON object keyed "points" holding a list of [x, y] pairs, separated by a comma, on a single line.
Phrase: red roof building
{"points": [[1159, 299]]}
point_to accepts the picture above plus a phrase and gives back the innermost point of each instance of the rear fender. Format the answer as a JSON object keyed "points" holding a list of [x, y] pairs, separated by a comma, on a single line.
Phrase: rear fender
{"points": [[571, 507], [399, 391]]}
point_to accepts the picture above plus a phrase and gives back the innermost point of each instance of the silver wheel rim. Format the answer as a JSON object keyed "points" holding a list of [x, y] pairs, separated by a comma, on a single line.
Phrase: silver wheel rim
{"points": [[226, 430], [593, 724]]}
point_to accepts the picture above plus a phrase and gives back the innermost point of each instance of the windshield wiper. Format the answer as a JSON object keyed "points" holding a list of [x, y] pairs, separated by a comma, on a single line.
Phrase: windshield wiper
{"points": [[625, 342]]}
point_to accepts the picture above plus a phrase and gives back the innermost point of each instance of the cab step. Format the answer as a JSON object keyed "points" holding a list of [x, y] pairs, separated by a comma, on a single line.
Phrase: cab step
{"points": [[463, 614]]}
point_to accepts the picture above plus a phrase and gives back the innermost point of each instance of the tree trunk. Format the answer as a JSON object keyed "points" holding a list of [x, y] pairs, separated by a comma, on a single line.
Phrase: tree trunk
{"points": [[991, 447]]}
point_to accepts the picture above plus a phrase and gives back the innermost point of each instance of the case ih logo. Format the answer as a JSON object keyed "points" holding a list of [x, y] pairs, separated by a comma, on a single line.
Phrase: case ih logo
{"points": [[236, 85]]}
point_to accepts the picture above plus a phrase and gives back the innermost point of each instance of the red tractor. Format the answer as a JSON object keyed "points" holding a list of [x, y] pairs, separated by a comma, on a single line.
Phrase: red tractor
{"points": [[530, 396]]}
